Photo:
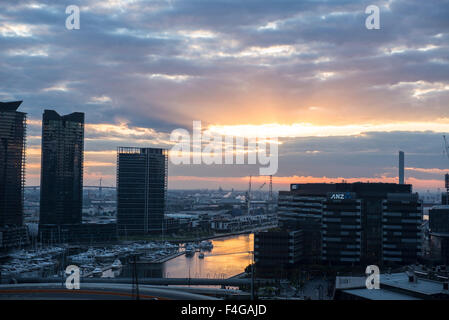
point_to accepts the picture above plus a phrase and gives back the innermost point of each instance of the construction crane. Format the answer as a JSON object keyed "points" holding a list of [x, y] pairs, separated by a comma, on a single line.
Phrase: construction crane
{"points": [[270, 190]]}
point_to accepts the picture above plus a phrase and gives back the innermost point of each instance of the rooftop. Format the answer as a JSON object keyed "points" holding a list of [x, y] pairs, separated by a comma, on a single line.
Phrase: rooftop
{"points": [[421, 286], [10, 106], [380, 294]]}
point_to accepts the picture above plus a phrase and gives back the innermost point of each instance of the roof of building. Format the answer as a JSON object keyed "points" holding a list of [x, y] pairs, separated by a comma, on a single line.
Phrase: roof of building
{"points": [[421, 286], [441, 207], [10, 106], [379, 294], [74, 117]]}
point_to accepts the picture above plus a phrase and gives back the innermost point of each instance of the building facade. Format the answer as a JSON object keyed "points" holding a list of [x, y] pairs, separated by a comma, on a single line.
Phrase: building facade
{"points": [[371, 223], [62, 168], [354, 223], [301, 208], [342, 229], [402, 216], [141, 190], [12, 163], [439, 233], [277, 250]]}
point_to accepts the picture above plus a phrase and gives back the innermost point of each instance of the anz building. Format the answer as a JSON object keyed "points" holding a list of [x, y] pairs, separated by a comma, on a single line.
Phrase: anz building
{"points": [[371, 223]]}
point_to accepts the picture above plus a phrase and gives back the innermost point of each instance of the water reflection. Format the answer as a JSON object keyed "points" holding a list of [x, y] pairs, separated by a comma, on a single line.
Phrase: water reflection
{"points": [[229, 257]]}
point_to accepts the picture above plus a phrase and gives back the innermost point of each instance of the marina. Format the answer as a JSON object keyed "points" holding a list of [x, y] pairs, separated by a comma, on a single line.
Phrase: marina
{"points": [[216, 258]]}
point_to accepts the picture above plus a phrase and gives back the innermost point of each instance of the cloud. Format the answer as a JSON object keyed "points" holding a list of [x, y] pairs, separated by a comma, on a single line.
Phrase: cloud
{"points": [[309, 70]]}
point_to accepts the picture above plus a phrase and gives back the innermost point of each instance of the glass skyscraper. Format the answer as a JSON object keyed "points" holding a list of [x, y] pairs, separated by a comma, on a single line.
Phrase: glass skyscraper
{"points": [[62, 168], [12, 163], [141, 190]]}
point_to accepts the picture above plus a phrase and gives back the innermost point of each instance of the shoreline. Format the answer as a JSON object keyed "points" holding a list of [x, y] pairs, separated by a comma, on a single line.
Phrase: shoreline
{"points": [[224, 235]]}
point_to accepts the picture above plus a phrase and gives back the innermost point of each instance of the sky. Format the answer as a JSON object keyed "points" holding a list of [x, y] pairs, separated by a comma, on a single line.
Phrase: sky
{"points": [[342, 99]]}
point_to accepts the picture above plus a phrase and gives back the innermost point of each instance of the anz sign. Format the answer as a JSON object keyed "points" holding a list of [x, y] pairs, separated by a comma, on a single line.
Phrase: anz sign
{"points": [[340, 196]]}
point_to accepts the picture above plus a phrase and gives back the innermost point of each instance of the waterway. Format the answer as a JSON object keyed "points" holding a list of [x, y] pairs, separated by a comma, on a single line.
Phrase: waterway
{"points": [[229, 257]]}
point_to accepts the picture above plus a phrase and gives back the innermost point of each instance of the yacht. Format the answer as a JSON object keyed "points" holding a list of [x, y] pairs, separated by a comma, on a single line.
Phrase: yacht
{"points": [[206, 245], [117, 264], [97, 271], [189, 251]]}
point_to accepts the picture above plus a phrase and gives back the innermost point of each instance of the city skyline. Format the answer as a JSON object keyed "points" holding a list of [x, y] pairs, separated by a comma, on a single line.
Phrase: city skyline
{"points": [[342, 99]]}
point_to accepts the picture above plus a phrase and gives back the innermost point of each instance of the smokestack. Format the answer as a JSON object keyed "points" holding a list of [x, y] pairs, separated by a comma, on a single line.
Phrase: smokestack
{"points": [[401, 167]]}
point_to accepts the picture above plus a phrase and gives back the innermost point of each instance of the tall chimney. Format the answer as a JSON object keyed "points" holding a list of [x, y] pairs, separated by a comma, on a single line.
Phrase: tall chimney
{"points": [[401, 167]]}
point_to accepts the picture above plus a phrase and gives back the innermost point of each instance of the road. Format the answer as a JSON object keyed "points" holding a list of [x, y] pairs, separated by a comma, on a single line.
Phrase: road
{"points": [[92, 291]]}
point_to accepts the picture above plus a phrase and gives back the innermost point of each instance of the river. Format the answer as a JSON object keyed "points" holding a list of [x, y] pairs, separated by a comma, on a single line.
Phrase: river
{"points": [[229, 257]]}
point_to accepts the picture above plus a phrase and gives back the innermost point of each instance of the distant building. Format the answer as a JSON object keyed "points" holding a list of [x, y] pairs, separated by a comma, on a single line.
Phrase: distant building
{"points": [[12, 163], [62, 168], [445, 196], [141, 190], [12, 175]]}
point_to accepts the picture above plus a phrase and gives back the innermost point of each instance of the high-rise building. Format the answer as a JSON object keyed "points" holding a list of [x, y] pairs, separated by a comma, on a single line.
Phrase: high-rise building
{"points": [[12, 163], [62, 168], [141, 190]]}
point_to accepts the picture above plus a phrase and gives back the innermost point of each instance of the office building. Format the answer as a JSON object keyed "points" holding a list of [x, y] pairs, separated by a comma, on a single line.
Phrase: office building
{"points": [[402, 217], [342, 229], [141, 190], [439, 233], [371, 223], [62, 168], [301, 208], [277, 250]]}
